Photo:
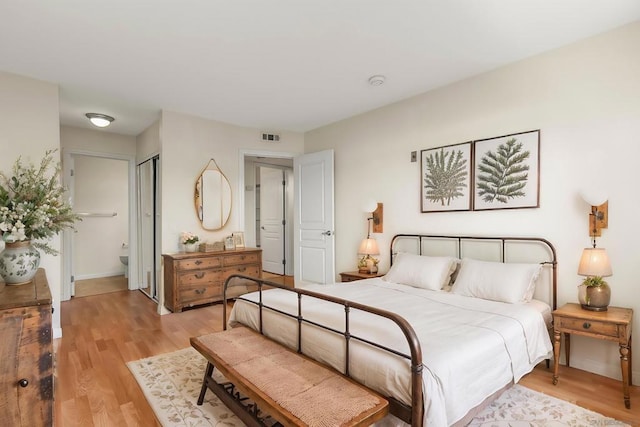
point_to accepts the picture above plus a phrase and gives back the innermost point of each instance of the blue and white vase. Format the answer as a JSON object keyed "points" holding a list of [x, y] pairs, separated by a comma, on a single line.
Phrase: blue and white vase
{"points": [[19, 262]]}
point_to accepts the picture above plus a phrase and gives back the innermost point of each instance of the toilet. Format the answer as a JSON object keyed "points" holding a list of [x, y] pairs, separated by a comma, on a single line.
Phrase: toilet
{"points": [[124, 258]]}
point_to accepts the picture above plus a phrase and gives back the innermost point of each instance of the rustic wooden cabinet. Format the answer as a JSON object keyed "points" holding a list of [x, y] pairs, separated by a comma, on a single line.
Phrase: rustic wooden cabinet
{"points": [[194, 278], [26, 354]]}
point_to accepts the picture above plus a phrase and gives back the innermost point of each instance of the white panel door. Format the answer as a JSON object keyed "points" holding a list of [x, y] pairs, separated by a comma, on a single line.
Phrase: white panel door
{"points": [[314, 244], [271, 219]]}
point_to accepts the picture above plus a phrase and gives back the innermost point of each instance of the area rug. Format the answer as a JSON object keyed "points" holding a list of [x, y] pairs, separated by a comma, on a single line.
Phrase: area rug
{"points": [[171, 383]]}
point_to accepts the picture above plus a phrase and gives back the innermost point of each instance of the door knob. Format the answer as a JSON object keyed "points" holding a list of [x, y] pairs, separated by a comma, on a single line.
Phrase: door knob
{"points": [[328, 233]]}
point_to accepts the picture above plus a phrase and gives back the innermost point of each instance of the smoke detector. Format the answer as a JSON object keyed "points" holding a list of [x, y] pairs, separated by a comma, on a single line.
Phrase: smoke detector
{"points": [[376, 80]]}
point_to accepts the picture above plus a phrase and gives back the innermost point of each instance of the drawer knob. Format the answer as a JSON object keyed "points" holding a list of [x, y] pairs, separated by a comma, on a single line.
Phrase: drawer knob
{"points": [[199, 275], [198, 262], [242, 269], [586, 325], [200, 291], [23, 382]]}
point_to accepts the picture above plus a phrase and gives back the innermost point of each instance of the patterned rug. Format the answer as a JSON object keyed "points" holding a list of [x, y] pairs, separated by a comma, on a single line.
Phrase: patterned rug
{"points": [[171, 383]]}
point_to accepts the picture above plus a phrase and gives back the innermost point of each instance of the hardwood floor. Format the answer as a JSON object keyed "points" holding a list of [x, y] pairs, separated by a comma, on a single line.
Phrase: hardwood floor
{"points": [[101, 285], [101, 333]]}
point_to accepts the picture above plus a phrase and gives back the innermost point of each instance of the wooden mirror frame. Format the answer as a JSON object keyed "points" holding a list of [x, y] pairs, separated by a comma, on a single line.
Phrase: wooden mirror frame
{"points": [[212, 197]]}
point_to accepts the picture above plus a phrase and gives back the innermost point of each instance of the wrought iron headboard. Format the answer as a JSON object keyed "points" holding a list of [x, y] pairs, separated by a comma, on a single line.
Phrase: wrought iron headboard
{"points": [[487, 248]]}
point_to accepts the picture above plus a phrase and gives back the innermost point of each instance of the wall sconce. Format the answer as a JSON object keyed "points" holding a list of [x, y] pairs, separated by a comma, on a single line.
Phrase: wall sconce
{"points": [[99, 120], [375, 209], [599, 215]]}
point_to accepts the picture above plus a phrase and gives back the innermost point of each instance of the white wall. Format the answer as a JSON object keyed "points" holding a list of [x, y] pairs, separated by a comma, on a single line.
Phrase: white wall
{"points": [[29, 126], [101, 186], [188, 143], [585, 98]]}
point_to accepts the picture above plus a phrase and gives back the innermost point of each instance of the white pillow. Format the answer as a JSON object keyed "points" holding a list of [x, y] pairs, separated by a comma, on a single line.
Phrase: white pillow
{"points": [[497, 281], [421, 271]]}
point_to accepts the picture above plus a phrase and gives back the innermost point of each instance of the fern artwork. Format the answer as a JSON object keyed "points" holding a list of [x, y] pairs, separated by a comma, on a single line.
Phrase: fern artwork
{"points": [[506, 172], [446, 178]]}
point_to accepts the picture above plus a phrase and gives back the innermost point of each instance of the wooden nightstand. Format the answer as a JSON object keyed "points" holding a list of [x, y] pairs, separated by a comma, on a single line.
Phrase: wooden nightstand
{"points": [[612, 325], [350, 276]]}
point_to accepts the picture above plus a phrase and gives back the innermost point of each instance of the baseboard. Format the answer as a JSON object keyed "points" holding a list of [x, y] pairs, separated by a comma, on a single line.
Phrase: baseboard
{"points": [[57, 333], [98, 275]]}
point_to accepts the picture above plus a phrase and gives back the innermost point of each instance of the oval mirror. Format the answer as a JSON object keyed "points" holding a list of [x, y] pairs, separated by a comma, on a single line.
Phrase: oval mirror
{"points": [[213, 197]]}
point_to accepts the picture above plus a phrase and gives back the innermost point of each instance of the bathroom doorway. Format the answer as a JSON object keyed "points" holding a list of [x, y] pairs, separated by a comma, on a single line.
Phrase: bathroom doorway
{"points": [[96, 252]]}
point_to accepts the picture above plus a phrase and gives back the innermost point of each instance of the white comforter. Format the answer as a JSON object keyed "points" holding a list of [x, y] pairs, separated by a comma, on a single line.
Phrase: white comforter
{"points": [[470, 347]]}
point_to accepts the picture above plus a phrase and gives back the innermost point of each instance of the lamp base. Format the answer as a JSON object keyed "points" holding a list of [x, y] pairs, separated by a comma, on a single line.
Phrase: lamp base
{"points": [[592, 308]]}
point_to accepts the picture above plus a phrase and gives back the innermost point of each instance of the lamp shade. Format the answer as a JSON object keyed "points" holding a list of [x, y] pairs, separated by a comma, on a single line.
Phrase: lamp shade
{"points": [[594, 262], [369, 247]]}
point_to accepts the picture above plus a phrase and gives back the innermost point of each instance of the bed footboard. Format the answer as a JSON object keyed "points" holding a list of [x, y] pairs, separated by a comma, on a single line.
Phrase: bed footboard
{"points": [[411, 414]]}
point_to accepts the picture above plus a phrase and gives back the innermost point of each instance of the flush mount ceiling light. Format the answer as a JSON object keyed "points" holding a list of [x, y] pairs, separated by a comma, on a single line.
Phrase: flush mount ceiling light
{"points": [[100, 120], [376, 80]]}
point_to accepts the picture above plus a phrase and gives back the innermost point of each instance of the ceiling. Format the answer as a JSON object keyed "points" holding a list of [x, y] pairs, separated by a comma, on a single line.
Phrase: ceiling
{"points": [[276, 65]]}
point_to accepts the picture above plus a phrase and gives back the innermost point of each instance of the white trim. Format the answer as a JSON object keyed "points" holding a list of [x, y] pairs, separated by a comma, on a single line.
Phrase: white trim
{"points": [[241, 159]]}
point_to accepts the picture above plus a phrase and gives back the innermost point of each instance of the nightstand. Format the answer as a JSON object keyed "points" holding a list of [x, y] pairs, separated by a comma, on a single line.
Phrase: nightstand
{"points": [[351, 276], [612, 325]]}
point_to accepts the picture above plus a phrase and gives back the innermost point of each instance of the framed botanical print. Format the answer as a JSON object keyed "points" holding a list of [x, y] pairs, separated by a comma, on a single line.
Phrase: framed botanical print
{"points": [[507, 172], [445, 178]]}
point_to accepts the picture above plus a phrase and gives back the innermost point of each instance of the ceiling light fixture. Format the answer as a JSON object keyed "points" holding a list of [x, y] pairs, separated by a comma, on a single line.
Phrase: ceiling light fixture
{"points": [[100, 120], [376, 80]]}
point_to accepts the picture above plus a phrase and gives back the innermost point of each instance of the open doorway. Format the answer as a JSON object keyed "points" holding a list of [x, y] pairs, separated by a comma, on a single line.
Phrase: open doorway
{"points": [[96, 253], [267, 210]]}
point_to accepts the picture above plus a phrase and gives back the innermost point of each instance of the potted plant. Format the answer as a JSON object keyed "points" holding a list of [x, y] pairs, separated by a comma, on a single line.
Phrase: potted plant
{"points": [[32, 210], [594, 294], [189, 240]]}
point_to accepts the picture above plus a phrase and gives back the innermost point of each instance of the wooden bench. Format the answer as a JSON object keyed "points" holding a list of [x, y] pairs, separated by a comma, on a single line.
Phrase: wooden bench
{"points": [[266, 379]]}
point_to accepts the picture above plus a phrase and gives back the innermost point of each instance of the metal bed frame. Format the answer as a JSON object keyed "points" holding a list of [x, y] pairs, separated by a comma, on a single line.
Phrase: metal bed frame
{"points": [[411, 414]]}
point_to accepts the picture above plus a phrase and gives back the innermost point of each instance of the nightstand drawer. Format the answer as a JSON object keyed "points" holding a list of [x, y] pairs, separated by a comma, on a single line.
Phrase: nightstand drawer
{"points": [[588, 326]]}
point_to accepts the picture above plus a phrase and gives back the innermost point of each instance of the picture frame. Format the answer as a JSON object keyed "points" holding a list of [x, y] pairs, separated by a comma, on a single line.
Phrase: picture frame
{"points": [[229, 244], [507, 172], [446, 178], [238, 239]]}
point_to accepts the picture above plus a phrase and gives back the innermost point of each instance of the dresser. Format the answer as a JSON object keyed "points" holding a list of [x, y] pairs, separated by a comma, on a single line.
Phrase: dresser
{"points": [[26, 354], [194, 278]]}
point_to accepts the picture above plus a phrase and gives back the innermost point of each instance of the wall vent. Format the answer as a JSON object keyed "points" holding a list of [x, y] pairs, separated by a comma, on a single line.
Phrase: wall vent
{"points": [[270, 137]]}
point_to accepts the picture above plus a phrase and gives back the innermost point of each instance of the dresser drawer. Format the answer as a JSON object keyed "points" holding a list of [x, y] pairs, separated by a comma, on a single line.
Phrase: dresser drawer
{"points": [[198, 263], [199, 293], [587, 326], [241, 259], [252, 270], [199, 277]]}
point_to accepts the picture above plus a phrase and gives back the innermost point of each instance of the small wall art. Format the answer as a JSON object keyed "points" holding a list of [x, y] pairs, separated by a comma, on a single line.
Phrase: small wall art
{"points": [[507, 172], [238, 239], [445, 178]]}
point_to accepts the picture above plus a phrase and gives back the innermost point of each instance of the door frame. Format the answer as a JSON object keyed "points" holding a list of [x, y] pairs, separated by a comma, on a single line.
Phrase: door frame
{"points": [[243, 154], [67, 234]]}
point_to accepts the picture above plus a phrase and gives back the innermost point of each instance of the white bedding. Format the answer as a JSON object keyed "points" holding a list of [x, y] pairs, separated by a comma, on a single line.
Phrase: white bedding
{"points": [[470, 347]]}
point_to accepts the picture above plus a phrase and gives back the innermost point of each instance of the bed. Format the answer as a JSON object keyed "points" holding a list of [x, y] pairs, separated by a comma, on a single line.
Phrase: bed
{"points": [[454, 322]]}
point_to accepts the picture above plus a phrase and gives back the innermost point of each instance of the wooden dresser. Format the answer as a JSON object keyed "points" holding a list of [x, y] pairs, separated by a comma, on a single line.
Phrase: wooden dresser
{"points": [[26, 354], [194, 278]]}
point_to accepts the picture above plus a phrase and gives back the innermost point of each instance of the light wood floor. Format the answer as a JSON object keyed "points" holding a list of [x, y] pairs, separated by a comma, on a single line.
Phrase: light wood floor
{"points": [[101, 285], [101, 333]]}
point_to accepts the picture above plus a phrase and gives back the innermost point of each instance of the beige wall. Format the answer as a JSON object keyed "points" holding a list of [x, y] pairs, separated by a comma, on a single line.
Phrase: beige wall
{"points": [[148, 143], [585, 98], [188, 143], [29, 126], [96, 141]]}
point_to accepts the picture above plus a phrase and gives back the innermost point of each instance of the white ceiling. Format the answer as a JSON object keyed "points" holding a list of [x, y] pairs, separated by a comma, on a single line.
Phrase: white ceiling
{"points": [[275, 65]]}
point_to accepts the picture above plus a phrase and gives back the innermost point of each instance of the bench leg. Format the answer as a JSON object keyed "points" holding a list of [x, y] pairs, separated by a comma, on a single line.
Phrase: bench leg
{"points": [[207, 374]]}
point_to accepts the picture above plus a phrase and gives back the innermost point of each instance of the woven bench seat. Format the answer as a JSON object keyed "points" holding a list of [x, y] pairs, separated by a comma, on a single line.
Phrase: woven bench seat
{"points": [[287, 386]]}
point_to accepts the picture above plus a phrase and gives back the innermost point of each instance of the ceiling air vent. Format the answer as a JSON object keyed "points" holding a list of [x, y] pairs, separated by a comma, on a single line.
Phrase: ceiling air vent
{"points": [[270, 137]]}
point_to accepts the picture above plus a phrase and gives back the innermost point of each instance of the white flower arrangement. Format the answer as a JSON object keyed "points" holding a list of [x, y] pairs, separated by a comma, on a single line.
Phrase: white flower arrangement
{"points": [[32, 204], [188, 238]]}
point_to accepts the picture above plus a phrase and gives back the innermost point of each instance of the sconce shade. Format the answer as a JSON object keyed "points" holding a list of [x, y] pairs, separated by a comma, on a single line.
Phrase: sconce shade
{"points": [[369, 247], [594, 262], [594, 196], [370, 206]]}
